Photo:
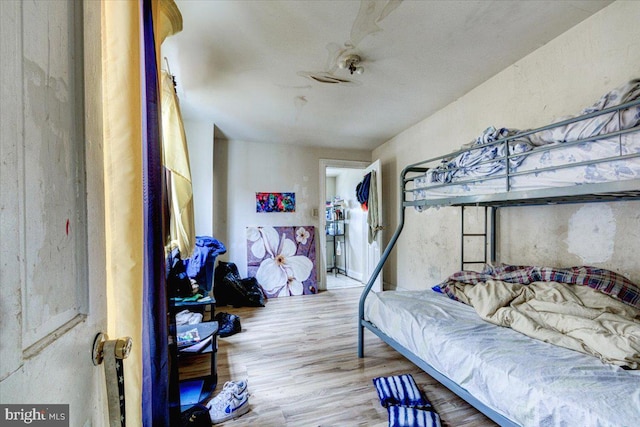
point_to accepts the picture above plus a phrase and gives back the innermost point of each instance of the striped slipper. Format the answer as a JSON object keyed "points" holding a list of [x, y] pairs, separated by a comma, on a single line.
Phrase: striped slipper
{"points": [[401, 416], [400, 390]]}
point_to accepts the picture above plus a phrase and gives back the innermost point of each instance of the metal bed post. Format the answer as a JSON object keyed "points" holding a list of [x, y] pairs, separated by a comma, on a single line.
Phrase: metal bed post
{"points": [[383, 258], [462, 236], [492, 243], [486, 224]]}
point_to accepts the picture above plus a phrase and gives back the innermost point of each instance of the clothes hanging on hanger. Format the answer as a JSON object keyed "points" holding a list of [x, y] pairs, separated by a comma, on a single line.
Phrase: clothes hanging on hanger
{"points": [[373, 214], [362, 191]]}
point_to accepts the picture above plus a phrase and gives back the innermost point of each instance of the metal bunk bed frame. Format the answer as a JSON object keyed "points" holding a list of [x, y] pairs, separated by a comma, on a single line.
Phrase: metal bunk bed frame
{"points": [[585, 193]]}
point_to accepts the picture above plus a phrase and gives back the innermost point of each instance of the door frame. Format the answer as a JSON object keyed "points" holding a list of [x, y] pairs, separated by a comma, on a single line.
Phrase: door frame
{"points": [[324, 164]]}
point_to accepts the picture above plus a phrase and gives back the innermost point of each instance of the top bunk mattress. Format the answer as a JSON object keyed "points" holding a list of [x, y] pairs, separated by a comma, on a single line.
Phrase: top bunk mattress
{"points": [[530, 382], [599, 145], [547, 168]]}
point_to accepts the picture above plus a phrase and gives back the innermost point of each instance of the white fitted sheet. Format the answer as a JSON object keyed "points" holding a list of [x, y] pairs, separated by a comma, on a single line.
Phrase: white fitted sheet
{"points": [[530, 382]]}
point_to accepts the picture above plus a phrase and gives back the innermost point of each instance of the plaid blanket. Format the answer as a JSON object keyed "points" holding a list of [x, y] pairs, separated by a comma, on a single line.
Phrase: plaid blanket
{"points": [[605, 281]]}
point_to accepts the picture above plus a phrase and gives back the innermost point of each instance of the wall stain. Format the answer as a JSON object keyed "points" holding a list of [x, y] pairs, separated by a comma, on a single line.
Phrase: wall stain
{"points": [[592, 243], [52, 155]]}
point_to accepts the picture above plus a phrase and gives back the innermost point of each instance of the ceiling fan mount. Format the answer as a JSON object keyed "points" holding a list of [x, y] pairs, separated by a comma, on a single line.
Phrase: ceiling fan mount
{"points": [[351, 62]]}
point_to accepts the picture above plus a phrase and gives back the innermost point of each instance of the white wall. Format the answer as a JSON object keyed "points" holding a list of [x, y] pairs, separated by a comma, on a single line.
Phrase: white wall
{"points": [[330, 188], [243, 168], [200, 143], [562, 77]]}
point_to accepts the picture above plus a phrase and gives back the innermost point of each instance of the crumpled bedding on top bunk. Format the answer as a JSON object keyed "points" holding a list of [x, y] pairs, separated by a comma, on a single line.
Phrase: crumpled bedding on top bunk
{"points": [[585, 309], [531, 382], [530, 152]]}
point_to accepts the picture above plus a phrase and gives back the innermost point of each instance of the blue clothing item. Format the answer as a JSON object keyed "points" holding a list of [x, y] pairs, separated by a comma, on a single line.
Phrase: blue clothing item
{"points": [[362, 189], [400, 390], [200, 266], [401, 416]]}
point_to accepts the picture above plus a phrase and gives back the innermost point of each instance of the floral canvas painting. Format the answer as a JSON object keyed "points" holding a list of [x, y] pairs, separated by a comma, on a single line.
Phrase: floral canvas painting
{"points": [[283, 259], [275, 202]]}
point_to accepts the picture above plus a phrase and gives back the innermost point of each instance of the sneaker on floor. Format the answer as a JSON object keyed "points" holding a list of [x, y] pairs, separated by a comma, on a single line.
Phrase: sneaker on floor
{"points": [[226, 409], [230, 387], [238, 387]]}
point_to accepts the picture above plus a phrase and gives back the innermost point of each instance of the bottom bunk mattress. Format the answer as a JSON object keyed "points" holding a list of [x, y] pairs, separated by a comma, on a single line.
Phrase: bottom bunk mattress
{"points": [[528, 381]]}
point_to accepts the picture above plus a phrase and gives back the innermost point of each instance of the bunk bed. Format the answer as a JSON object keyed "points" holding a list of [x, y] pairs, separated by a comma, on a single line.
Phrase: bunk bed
{"points": [[512, 378]]}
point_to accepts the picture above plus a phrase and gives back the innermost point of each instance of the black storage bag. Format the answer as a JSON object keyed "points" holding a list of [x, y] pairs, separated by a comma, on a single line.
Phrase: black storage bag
{"points": [[222, 292], [230, 289], [254, 295]]}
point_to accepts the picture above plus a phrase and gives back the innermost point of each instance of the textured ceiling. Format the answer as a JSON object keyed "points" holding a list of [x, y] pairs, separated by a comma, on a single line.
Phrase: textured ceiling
{"points": [[244, 65]]}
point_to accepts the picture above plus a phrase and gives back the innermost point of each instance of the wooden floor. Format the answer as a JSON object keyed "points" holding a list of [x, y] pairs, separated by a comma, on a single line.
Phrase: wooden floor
{"points": [[299, 355]]}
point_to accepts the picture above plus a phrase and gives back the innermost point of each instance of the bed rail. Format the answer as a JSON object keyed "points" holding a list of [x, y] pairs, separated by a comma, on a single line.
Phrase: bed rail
{"points": [[605, 191]]}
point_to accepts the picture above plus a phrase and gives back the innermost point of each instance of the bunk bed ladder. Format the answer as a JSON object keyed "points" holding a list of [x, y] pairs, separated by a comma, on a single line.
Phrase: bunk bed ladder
{"points": [[487, 235]]}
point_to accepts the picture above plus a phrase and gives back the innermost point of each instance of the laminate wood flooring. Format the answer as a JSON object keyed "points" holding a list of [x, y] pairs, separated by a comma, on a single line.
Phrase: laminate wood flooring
{"points": [[299, 355]]}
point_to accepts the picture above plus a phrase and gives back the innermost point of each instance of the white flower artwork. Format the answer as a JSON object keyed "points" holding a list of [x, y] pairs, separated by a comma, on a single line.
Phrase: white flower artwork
{"points": [[282, 259]]}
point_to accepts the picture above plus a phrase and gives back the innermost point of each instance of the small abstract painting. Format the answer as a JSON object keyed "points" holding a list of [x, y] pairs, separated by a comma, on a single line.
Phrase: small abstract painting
{"points": [[275, 202], [283, 259]]}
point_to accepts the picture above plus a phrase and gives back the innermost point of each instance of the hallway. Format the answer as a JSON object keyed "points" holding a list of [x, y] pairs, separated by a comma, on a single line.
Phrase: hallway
{"points": [[340, 281]]}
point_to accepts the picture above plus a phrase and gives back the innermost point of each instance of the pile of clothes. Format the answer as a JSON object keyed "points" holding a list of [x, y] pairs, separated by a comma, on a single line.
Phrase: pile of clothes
{"points": [[188, 277]]}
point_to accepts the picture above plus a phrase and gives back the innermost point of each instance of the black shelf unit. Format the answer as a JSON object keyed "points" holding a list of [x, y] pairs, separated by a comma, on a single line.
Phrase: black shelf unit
{"points": [[336, 239], [336, 236], [205, 329]]}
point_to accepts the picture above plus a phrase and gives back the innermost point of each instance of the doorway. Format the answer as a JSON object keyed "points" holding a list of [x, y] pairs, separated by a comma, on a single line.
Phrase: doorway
{"points": [[344, 249]]}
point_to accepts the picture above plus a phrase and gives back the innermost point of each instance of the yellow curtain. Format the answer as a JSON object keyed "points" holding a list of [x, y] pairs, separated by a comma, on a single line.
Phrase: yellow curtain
{"points": [[122, 117], [176, 160], [122, 121]]}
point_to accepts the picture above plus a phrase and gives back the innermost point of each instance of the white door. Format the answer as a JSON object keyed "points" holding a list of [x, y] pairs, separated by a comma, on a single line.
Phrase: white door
{"points": [[53, 299], [374, 249]]}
